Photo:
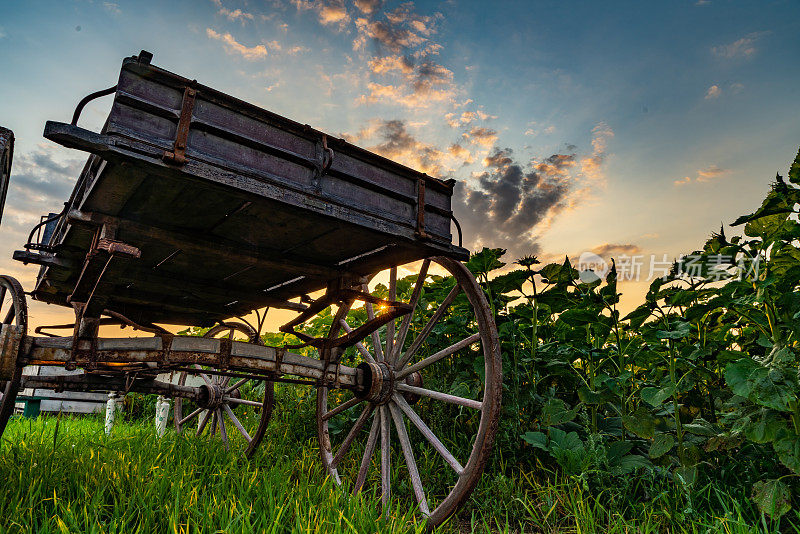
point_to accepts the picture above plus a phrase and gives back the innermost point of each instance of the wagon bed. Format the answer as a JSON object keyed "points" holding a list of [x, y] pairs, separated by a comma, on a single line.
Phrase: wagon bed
{"points": [[230, 207]]}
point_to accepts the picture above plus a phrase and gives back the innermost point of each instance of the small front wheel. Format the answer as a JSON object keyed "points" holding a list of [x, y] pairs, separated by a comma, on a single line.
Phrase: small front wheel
{"points": [[248, 419]]}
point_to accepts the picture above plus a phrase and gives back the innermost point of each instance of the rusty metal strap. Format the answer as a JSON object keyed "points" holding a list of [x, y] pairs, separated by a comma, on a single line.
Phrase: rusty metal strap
{"points": [[166, 345], [279, 354], [225, 345], [177, 155], [420, 230]]}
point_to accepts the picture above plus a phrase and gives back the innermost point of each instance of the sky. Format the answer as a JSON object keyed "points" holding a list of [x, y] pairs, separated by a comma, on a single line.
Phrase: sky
{"points": [[624, 129]]}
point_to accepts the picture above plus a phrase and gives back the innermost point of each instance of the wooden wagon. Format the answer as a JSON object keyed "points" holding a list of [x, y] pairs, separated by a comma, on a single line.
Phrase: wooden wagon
{"points": [[195, 208]]}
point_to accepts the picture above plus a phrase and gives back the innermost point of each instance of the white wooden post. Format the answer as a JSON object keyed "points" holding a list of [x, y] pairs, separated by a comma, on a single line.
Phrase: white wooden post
{"points": [[111, 410], [162, 415]]}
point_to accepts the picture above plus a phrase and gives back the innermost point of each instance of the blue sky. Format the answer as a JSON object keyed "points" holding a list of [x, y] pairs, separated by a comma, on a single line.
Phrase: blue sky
{"points": [[624, 128]]}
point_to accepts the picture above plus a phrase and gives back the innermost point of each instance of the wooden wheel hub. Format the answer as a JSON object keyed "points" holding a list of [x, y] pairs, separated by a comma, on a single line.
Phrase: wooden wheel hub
{"points": [[211, 396], [378, 382]]}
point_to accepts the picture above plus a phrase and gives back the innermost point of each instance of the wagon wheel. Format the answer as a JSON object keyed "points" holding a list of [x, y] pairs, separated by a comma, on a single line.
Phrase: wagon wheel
{"points": [[433, 396], [228, 401], [6, 154], [13, 312]]}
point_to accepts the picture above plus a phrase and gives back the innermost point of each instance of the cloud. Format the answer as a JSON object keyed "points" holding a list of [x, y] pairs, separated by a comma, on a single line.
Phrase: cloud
{"points": [[385, 34], [329, 12], [368, 6], [389, 64], [112, 8], [510, 199], [479, 135], [713, 92], [741, 48], [456, 121], [459, 152], [234, 15], [591, 166], [608, 250], [40, 182], [234, 47], [399, 145], [421, 83], [712, 172]]}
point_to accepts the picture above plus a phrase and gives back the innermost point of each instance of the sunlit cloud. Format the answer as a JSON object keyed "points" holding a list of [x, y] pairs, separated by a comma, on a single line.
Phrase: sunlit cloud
{"points": [[479, 135], [329, 12], [707, 174], [741, 48], [713, 92], [234, 47]]}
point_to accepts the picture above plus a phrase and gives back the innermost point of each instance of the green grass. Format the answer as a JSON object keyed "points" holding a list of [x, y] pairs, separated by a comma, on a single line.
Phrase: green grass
{"points": [[65, 475]]}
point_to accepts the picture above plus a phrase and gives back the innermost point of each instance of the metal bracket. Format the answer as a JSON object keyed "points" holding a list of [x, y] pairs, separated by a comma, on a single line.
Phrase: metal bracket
{"points": [[420, 230], [339, 294], [325, 163], [225, 346], [177, 155]]}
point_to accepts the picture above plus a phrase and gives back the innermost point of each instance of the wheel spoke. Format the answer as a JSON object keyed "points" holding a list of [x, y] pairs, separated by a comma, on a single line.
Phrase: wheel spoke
{"points": [[213, 423], [422, 364], [445, 397], [237, 423], [348, 441], [222, 431], [10, 314], [386, 458], [342, 407], [428, 433], [190, 416], [411, 464], [369, 450], [360, 346], [204, 376], [376, 338], [203, 422], [390, 324], [428, 327], [403, 332], [233, 400], [237, 385]]}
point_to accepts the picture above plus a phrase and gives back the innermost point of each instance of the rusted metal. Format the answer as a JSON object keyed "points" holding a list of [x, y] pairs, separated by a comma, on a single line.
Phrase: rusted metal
{"points": [[420, 229], [6, 157], [177, 155], [393, 310], [88, 98]]}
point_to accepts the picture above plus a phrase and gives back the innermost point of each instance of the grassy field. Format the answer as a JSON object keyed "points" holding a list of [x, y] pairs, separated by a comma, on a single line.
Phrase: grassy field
{"points": [[64, 475]]}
